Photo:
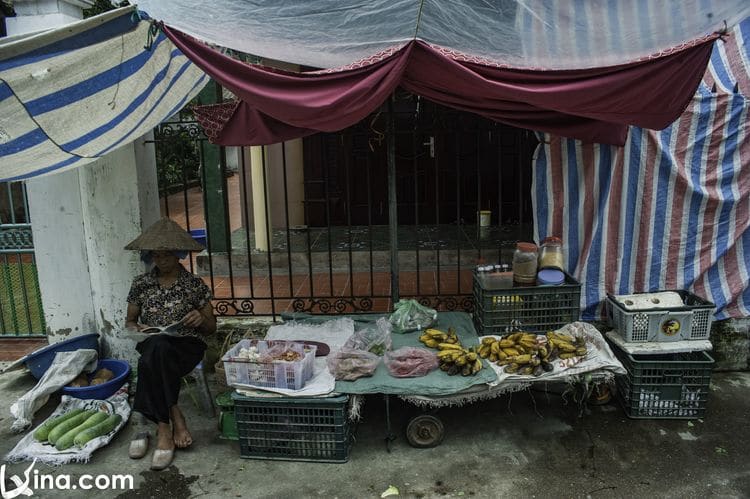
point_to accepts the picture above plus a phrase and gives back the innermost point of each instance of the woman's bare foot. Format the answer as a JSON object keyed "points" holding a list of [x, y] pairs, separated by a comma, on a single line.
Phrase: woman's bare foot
{"points": [[180, 433], [164, 440]]}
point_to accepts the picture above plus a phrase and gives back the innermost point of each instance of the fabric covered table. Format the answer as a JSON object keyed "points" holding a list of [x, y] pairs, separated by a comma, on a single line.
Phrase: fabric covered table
{"points": [[436, 383]]}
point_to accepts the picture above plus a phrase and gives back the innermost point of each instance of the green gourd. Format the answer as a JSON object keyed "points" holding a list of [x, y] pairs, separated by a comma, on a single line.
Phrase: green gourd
{"points": [[41, 433], [98, 430], [67, 425], [66, 440]]}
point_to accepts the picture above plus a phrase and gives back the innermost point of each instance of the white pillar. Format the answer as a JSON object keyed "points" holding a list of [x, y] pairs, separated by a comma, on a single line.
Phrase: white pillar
{"points": [[259, 197], [81, 220]]}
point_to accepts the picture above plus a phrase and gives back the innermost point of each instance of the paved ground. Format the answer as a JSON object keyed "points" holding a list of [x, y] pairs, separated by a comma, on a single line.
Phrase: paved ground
{"points": [[528, 445]]}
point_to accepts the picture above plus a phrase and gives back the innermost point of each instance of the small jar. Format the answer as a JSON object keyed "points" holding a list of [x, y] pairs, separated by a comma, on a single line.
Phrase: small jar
{"points": [[551, 254], [525, 264]]}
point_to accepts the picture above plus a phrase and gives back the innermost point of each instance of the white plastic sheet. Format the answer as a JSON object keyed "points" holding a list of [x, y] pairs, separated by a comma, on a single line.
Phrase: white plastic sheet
{"points": [[64, 369], [527, 33]]}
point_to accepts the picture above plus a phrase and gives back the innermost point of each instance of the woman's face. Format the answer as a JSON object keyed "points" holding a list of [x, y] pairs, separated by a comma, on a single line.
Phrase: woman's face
{"points": [[166, 261]]}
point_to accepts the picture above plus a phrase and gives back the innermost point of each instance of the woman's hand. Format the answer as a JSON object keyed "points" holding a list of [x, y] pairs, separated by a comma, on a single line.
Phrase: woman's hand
{"points": [[193, 319]]}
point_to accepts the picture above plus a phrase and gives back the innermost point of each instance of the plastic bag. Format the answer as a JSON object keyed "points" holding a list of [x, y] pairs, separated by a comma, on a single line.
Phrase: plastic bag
{"points": [[373, 338], [349, 364], [410, 362], [410, 315]]}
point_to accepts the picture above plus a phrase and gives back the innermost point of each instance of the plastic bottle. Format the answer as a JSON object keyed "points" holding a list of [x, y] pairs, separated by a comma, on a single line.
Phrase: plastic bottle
{"points": [[525, 264], [551, 254]]}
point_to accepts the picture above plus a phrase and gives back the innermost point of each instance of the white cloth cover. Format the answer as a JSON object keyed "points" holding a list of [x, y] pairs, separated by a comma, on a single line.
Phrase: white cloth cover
{"points": [[29, 449], [599, 358], [64, 369], [524, 33]]}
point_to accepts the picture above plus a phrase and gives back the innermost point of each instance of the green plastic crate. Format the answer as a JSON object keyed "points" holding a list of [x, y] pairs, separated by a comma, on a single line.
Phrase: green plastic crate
{"points": [[664, 386], [293, 428], [536, 309]]}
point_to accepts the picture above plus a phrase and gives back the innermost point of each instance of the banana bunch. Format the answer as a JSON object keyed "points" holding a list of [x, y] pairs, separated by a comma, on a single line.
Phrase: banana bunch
{"points": [[434, 337], [566, 346], [529, 354], [454, 358]]}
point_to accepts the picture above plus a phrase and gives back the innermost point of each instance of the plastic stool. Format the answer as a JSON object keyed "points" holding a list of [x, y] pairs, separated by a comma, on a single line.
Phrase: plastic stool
{"points": [[204, 400]]}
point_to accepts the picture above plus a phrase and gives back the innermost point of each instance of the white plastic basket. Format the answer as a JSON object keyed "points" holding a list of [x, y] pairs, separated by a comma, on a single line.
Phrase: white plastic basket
{"points": [[277, 374], [690, 320]]}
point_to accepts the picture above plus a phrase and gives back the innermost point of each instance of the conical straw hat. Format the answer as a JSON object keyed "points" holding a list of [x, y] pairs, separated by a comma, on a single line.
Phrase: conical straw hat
{"points": [[164, 235]]}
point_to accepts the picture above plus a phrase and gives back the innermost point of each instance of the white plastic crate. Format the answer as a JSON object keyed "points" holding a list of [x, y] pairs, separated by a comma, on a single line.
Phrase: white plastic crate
{"points": [[292, 375], [690, 321]]}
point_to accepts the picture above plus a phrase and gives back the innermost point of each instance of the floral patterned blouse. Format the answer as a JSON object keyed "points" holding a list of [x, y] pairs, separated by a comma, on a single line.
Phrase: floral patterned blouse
{"points": [[161, 306]]}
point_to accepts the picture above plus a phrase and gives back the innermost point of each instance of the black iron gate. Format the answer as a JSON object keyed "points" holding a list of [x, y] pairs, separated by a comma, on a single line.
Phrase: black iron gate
{"points": [[342, 251]]}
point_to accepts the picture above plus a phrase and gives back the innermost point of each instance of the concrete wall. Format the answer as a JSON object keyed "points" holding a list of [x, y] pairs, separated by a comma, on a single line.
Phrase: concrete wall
{"points": [[81, 220]]}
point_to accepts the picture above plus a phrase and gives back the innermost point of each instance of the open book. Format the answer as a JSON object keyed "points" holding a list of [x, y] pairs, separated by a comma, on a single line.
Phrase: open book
{"points": [[171, 329]]}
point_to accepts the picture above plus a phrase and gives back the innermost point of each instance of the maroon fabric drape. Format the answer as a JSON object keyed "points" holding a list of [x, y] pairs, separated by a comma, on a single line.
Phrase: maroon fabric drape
{"points": [[594, 105]]}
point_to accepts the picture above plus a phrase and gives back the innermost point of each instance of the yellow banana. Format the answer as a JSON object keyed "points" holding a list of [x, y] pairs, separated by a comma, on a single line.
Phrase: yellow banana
{"points": [[511, 352], [522, 359], [449, 346], [476, 367], [495, 347], [511, 368], [488, 340], [565, 346], [507, 343], [431, 343], [527, 343]]}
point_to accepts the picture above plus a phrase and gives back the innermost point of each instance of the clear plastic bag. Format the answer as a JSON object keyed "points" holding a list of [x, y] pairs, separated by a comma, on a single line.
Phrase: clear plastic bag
{"points": [[410, 315], [349, 364], [374, 338], [410, 362]]}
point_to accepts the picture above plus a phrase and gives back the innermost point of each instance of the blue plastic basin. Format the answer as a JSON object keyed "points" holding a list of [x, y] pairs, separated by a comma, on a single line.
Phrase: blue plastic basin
{"points": [[119, 368], [199, 235], [39, 361]]}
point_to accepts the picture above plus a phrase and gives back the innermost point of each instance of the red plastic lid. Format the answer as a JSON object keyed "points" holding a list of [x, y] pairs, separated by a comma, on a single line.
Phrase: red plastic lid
{"points": [[526, 247], [552, 240]]}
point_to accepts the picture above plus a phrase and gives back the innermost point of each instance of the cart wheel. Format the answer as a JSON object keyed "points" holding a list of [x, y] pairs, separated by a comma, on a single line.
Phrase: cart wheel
{"points": [[425, 431]]}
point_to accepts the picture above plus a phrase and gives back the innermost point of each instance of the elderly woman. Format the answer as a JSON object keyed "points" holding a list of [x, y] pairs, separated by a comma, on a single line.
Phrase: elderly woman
{"points": [[165, 295]]}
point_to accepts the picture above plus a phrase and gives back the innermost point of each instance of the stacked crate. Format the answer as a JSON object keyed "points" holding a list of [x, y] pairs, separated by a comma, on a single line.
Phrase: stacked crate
{"points": [[661, 339], [501, 309]]}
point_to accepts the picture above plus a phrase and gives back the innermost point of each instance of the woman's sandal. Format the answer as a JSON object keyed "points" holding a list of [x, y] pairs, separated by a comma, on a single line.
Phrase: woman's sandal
{"points": [[161, 459], [139, 445]]}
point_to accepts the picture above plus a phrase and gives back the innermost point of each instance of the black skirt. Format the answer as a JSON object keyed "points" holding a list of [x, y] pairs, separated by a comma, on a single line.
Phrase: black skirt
{"points": [[164, 361]]}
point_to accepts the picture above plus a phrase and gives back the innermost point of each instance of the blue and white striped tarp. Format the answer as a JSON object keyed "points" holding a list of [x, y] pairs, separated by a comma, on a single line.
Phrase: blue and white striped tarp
{"points": [[670, 209], [71, 95]]}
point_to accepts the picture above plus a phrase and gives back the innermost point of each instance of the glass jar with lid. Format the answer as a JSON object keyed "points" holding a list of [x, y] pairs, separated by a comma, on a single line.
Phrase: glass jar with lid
{"points": [[551, 254], [525, 264]]}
